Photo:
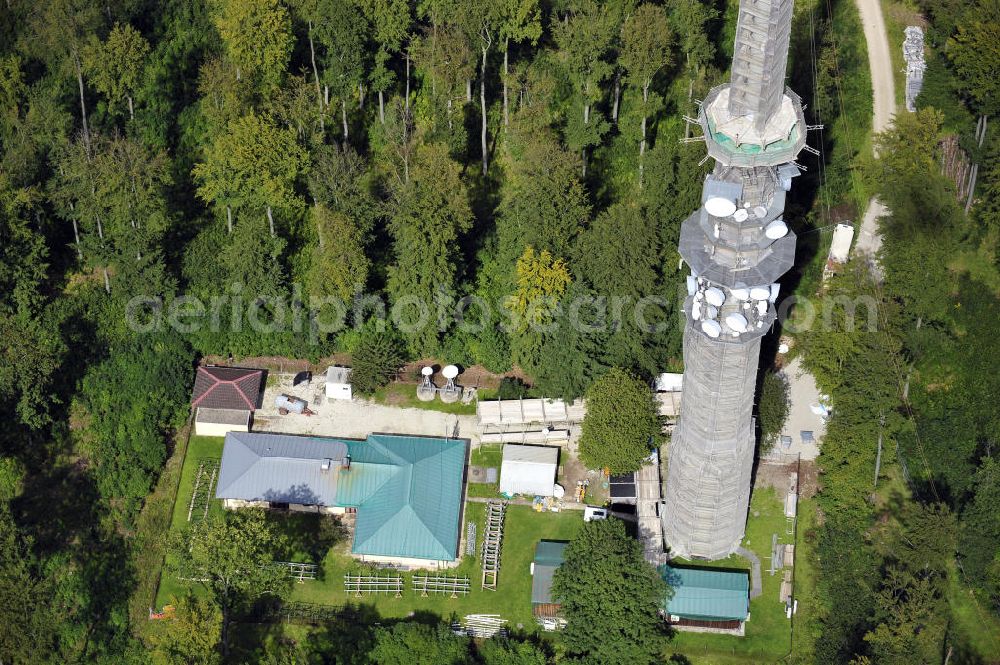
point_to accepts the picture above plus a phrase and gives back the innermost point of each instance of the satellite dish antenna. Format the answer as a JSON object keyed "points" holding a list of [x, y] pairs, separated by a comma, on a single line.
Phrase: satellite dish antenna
{"points": [[720, 207], [776, 229], [711, 312], [426, 390], [715, 296], [450, 393], [741, 215], [760, 211], [760, 292], [761, 307], [737, 322], [696, 310], [740, 294], [711, 328]]}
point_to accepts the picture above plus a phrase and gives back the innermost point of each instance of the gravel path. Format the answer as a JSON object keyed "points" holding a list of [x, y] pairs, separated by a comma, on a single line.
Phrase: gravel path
{"points": [[884, 106]]}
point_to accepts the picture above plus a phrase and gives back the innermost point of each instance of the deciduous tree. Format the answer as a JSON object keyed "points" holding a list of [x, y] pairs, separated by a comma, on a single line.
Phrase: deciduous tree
{"points": [[622, 424], [257, 36], [611, 598], [191, 636], [235, 553], [255, 165], [646, 44], [115, 66]]}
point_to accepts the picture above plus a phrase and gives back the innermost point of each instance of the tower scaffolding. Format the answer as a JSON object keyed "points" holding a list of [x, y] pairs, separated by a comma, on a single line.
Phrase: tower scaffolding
{"points": [[737, 246]]}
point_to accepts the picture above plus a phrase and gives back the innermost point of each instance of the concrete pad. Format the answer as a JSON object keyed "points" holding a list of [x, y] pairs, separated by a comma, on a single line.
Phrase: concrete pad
{"points": [[354, 419], [802, 392]]}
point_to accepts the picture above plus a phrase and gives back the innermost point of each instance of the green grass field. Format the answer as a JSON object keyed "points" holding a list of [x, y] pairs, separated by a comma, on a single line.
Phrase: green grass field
{"points": [[199, 448], [523, 528], [313, 538], [768, 634], [405, 395]]}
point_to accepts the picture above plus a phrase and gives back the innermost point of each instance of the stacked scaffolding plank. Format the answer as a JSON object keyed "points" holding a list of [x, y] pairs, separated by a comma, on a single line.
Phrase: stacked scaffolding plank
{"points": [[440, 584], [204, 488], [483, 625], [365, 585], [470, 538], [492, 537]]}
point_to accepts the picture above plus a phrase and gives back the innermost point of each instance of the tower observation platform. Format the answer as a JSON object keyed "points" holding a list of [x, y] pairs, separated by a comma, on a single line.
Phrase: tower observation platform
{"points": [[737, 246]]}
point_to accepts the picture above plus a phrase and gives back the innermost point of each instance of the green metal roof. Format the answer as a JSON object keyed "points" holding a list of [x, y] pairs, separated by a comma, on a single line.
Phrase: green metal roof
{"points": [[550, 552], [414, 512], [548, 557], [706, 594], [362, 480]]}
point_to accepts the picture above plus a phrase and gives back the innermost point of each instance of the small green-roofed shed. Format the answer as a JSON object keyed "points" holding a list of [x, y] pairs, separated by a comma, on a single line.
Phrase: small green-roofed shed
{"points": [[706, 594], [548, 557]]}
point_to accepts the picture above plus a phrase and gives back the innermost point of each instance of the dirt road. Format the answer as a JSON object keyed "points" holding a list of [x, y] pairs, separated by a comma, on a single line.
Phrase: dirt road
{"points": [[884, 98]]}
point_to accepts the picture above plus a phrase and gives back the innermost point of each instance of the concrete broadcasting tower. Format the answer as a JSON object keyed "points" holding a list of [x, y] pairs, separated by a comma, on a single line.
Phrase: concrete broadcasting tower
{"points": [[737, 246]]}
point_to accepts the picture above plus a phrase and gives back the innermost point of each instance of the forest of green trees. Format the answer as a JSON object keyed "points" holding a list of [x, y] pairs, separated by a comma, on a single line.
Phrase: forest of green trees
{"points": [[243, 178]]}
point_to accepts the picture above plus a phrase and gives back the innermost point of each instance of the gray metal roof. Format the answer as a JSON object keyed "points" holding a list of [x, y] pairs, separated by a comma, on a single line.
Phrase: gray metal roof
{"points": [[279, 468], [222, 416]]}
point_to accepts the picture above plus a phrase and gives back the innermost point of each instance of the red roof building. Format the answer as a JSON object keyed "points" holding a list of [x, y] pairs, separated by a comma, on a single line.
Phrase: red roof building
{"points": [[227, 388]]}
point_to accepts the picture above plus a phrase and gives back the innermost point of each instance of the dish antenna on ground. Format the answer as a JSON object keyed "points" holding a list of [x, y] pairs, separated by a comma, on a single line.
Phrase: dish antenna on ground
{"points": [[450, 392], [426, 390]]}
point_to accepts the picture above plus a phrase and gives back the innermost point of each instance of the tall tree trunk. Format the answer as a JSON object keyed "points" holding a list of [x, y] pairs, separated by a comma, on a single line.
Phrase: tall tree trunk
{"points": [[618, 95], [76, 235], [131, 108], [83, 103], [270, 220], [381, 107], [583, 170], [107, 281], [407, 102], [343, 117], [482, 108], [468, 91], [687, 125], [506, 114], [642, 142], [319, 92], [361, 96], [229, 219], [449, 113]]}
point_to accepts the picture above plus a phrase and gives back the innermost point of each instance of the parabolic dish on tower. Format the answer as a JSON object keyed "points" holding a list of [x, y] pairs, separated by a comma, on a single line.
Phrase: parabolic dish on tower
{"points": [[737, 322], [715, 296], [449, 372], [427, 371], [711, 328], [720, 207], [776, 229]]}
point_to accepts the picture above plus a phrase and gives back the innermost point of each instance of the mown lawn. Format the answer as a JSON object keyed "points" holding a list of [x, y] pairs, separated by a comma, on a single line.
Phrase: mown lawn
{"points": [[486, 455], [314, 538], [512, 599], [768, 633], [198, 449]]}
